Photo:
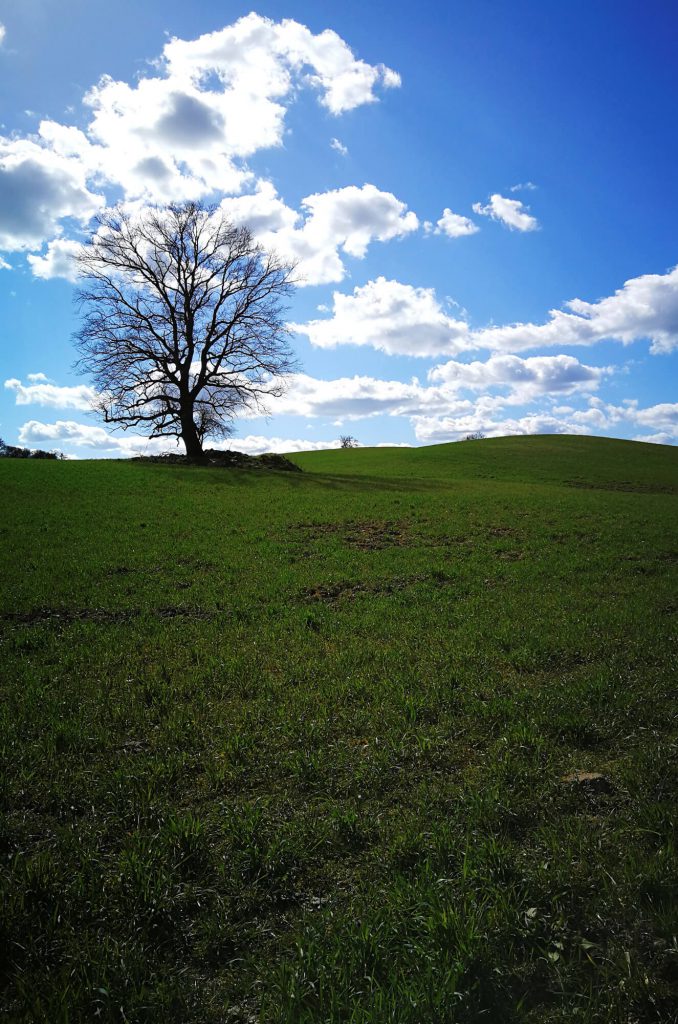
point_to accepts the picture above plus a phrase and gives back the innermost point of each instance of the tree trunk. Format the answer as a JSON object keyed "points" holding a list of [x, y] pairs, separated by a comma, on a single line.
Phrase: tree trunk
{"points": [[189, 435]]}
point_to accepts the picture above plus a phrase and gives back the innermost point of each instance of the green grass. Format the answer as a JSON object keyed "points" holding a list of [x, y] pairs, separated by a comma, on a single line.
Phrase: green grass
{"points": [[292, 747]]}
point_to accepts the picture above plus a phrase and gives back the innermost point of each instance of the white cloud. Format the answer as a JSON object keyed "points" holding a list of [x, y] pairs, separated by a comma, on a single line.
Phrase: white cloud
{"points": [[3, 33], [262, 58], [510, 212], [454, 225], [4, 265], [527, 378], [344, 220], [58, 260], [255, 444], [645, 307], [436, 430], [40, 392], [392, 317], [524, 186], [358, 397], [662, 438], [339, 147], [182, 132], [663, 416], [400, 319], [217, 99], [71, 434], [34, 432], [39, 188], [520, 381]]}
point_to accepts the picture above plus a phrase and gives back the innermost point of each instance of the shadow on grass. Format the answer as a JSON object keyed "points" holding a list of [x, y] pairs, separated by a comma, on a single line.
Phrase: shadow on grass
{"points": [[230, 477]]}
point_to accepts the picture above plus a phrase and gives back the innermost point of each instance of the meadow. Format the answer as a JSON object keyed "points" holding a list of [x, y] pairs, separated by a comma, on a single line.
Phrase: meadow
{"points": [[388, 741]]}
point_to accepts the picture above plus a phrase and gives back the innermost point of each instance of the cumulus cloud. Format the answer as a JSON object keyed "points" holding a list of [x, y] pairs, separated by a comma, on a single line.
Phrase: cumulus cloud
{"points": [[389, 316], [217, 99], [437, 430], [599, 416], [58, 260], [663, 416], [344, 220], [34, 432], [400, 319], [358, 397], [71, 434], [265, 58], [526, 378], [645, 307], [510, 212], [38, 189], [41, 392], [255, 444], [339, 147], [512, 381], [182, 132], [454, 225], [3, 33], [661, 438]]}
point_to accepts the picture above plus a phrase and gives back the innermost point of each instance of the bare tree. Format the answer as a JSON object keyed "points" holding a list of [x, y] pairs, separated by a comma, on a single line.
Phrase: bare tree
{"points": [[347, 441], [183, 321]]}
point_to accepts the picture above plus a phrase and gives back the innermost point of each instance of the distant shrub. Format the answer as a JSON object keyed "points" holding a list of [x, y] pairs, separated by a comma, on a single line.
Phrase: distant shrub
{"points": [[476, 436], [10, 451], [346, 441]]}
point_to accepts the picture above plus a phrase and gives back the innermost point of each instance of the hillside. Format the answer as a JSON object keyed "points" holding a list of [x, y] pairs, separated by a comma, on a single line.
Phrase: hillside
{"points": [[529, 459], [389, 740]]}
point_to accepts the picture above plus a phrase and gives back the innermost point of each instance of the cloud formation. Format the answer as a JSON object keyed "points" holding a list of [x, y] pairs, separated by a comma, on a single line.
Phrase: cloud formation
{"points": [[57, 261], [454, 225], [510, 212], [38, 189], [42, 392], [505, 380], [400, 319], [181, 132], [344, 220], [527, 378], [483, 417], [389, 316], [645, 307], [73, 435]]}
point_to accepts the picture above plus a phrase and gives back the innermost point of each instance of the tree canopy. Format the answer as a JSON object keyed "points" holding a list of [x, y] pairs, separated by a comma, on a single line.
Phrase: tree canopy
{"points": [[182, 321]]}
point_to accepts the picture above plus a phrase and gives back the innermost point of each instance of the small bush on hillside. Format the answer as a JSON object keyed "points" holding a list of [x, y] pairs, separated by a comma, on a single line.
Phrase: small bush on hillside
{"points": [[9, 451]]}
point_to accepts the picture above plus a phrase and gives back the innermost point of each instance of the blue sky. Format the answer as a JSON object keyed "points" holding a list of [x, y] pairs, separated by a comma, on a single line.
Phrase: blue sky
{"points": [[481, 198]]}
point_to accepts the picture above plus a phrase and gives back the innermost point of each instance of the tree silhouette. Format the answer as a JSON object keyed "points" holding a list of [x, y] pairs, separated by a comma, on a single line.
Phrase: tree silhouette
{"points": [[183, 321]]}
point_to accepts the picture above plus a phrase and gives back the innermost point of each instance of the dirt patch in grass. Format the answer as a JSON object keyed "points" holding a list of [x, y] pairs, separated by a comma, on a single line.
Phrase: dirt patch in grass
{"points": [[329, 593], [367, 535], [195, 565], [622, 485], [502, 531], [104, 616], [347, 589]]}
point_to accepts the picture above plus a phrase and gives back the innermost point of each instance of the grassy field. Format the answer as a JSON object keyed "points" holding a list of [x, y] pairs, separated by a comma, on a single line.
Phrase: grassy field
{"points": [[389, 740]]}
